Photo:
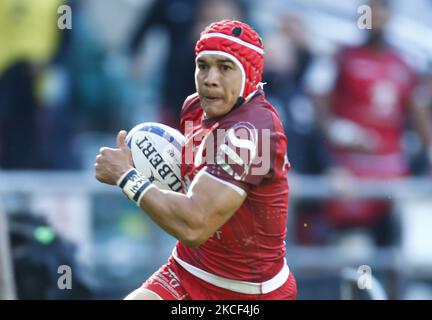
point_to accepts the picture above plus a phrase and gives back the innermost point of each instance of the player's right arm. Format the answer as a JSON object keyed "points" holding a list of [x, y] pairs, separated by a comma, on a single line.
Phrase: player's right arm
{"points": [[191, 218]]}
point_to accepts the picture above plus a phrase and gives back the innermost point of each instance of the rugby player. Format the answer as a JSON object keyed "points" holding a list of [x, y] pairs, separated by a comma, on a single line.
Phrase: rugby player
{"points": [[230, 221]]}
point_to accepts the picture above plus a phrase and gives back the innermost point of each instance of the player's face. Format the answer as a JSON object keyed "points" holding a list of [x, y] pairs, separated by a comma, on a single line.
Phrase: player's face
{"points": [[218, 82]]}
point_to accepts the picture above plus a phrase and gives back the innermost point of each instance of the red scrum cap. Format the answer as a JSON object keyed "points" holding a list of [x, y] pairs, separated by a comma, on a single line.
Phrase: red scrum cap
{"points": [[240, 43]]}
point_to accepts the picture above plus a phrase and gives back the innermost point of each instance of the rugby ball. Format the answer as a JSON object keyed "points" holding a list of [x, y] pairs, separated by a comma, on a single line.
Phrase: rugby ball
{"points": [[157, 153]]}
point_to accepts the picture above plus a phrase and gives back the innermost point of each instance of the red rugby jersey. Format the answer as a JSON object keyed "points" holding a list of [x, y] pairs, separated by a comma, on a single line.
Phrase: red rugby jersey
{"points": [[251, 245], [373, 89]]}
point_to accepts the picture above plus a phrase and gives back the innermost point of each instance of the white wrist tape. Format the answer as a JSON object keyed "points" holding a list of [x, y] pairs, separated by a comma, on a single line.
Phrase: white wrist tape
{"points": [[134, 185]]}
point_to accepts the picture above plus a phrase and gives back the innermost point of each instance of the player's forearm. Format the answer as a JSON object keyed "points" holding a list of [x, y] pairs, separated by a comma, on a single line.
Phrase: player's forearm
{"points": [[176, 213]]}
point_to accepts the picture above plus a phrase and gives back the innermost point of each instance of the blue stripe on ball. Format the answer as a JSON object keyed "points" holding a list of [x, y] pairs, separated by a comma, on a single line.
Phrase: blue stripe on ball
{"points": [[163, 134]]}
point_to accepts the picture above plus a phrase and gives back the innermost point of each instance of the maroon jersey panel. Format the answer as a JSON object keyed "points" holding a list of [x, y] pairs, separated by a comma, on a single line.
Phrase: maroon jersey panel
{"points": [[247, 148]]}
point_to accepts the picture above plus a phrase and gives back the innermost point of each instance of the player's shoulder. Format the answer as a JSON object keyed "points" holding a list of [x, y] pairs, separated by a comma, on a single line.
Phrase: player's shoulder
{"points": [[191, 111], [258, 112], [191, 103], [348, 52]]}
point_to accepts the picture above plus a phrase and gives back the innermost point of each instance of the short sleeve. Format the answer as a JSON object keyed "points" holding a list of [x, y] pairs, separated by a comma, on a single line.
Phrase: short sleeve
{"points": [[243, 153]]}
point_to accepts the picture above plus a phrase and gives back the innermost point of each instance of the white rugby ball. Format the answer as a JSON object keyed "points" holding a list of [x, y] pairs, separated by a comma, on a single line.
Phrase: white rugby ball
{"points": [[156, 153]]}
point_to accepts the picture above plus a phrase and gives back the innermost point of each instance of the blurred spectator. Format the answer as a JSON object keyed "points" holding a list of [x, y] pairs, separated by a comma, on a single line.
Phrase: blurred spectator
{"points": [[17, 118], [96, 83], [214, 10], [363, 119], [287, 59], [27, 31], [177, 18], [38, 252], [35, 122]]}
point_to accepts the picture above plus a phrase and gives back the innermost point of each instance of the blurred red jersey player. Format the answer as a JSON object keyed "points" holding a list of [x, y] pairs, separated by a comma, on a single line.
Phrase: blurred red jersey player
{"points": [[363, 117], [231, 219]]}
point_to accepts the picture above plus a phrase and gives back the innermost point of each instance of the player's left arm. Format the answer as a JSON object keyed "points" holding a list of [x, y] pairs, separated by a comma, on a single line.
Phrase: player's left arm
{"points": [[191, 218]]}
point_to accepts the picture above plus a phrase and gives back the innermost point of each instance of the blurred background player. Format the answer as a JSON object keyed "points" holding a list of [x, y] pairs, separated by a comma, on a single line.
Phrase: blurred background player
{"points": [[231, 223], [34, 88], [363, 118]]}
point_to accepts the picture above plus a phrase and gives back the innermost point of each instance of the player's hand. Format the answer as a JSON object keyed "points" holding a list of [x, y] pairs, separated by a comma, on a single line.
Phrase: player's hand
{"points": [[346, 134], [111, 163]]}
